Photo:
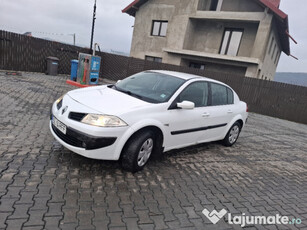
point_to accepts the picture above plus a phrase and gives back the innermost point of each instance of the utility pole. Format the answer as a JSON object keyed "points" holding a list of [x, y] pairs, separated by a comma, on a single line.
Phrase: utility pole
{"points": [[74, 38], [93, 25]]}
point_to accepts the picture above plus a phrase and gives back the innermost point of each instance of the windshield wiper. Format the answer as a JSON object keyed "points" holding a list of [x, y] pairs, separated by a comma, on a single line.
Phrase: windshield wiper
{"points": [[128, 92]]}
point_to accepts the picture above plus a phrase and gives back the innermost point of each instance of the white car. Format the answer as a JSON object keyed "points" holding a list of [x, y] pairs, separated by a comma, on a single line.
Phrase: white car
{"points": [[145, 115]]}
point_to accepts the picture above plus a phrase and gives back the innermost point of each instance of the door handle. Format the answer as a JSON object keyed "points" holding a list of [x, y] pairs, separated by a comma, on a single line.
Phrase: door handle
{"points": [[229, 111], [205, 114]]}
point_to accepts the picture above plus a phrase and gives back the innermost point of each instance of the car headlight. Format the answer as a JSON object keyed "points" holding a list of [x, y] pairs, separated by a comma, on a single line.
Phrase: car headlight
{"points": [[59, 99], [103, 120], [59, 102]]}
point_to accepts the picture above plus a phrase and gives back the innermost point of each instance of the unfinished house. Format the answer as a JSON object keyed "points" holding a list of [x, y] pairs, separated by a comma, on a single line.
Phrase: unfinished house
{"points": [[243, 37]]}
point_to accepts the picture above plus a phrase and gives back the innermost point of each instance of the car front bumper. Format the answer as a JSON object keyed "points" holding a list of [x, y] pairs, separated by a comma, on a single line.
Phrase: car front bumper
{"points": [[86, 140], [83, 140]]}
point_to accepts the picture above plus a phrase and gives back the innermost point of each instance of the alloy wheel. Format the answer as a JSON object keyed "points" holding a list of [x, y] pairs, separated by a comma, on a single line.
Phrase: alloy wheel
{"points": [[145, 152], [234, 133]]}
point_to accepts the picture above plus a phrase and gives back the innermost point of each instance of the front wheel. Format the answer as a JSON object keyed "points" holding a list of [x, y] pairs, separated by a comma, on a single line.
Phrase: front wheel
{"points": [[232, 135], [138, 150]]}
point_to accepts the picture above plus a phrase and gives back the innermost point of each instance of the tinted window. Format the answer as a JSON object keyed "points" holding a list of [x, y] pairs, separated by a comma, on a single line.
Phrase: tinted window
{"points": [[219, 94], [196, 92], [150, 86]]}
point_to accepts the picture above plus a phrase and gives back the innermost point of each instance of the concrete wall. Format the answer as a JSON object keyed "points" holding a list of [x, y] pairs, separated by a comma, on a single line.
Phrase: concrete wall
{"points": [[142, 42], [175, 12], [207, 36], [269, 64], [241, 6], [233, 5], [216, 67]]}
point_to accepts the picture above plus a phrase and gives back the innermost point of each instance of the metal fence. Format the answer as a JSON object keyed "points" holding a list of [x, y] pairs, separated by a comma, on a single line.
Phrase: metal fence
{"points": [[23, 53]]}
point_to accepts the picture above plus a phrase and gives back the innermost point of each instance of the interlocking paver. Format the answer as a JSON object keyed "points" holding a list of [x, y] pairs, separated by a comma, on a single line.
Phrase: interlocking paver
{"points": [[52, 222], [14, 224], [45, 186]]}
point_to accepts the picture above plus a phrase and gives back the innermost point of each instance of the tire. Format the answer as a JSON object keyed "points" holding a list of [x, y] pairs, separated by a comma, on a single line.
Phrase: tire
{"points": [[138, 151], [232, 135]]}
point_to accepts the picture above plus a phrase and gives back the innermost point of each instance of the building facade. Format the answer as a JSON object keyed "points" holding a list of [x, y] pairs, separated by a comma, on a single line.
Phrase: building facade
{"points": [[243, 37]]}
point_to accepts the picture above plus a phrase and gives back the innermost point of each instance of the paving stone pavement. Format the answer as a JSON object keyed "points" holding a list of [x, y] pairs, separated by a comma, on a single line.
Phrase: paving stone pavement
{"points": [[45, 186]]}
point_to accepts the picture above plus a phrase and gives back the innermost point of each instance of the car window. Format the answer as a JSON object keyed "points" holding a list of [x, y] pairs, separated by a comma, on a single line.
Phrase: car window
{"points": [[196, 92], [221, 95], [150, 86], [229, 96]]}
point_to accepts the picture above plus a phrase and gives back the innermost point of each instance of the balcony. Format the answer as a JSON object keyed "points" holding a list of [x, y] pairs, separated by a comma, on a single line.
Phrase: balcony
{"points": [[227, 15], [242, 60]]}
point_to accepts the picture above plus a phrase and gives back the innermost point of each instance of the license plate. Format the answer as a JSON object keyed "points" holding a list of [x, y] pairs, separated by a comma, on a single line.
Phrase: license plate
{"points": [[59, 125]]}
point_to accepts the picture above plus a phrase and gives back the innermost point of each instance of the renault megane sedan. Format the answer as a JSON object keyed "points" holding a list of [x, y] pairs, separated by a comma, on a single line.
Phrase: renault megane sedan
{"points": [[145, 115]]}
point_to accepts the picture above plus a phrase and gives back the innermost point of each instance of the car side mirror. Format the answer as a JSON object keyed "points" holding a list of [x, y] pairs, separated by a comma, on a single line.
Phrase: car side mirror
{"points": [[186, 105]]}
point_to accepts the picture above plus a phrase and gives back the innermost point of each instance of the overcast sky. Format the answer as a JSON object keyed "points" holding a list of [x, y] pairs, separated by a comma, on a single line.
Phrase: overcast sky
{"points": [[57, 19]]}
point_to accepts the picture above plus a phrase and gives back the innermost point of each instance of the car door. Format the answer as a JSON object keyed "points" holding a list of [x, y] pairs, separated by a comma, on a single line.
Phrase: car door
{"points": [[185, 125], [219, 112]]}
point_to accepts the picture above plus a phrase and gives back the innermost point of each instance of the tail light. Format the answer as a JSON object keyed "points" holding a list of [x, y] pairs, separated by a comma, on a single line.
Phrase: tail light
{"points": [[246, 108]]}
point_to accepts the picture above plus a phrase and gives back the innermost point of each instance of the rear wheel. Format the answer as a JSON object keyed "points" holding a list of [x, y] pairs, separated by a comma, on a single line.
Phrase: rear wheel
{"points": [[138, 151], [232, 135]]}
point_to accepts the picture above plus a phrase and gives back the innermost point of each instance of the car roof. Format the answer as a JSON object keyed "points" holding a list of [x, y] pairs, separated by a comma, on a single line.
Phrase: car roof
{"points": [[185, 76]]}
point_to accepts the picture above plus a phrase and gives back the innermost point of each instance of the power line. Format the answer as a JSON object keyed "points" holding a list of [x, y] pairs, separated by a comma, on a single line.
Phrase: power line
{"points": [[57, 34], [48, 33]]}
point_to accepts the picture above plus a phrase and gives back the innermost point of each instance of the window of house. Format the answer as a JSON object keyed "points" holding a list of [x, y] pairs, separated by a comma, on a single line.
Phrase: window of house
{"points": [[221, 95], [274, 51], [277, 57], [159, 28], [197, 93], [231, 42], [151, 58], [197, 65], [271, 45], [216, 5]]}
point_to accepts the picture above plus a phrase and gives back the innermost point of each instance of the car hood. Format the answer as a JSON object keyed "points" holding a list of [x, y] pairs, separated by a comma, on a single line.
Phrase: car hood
{"points": [[106, 100]]}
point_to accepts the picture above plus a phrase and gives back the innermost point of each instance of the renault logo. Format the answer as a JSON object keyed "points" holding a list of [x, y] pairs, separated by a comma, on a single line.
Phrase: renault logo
{"points": [[64, 110]]}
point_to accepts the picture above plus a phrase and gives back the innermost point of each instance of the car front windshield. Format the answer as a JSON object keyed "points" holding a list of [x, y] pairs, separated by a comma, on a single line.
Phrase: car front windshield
{"points": [[150, 86]]}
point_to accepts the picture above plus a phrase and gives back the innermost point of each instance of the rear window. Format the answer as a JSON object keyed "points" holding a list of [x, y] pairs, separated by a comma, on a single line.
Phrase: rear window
{"points": [[229, 96], [221, 95]]}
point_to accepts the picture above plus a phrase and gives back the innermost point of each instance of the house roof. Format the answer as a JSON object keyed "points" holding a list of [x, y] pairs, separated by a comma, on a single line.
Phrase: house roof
{"points": [[282, 23], [133, 7], [276, 3], [281, 19]]}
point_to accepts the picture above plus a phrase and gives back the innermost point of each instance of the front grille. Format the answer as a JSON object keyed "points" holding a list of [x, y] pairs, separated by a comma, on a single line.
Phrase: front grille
{"points": [[68, 138], [76, 116]]}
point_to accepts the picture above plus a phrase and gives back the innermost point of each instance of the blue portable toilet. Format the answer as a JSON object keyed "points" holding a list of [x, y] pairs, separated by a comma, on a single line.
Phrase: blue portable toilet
{"points": [[74, 70], [95, 68]]}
